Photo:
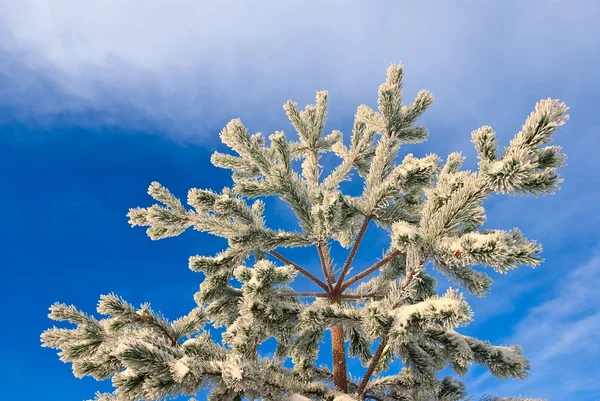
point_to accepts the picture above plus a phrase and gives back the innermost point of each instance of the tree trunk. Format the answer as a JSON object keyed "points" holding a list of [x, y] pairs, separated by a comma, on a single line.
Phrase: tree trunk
{"points": [[338, 351]]}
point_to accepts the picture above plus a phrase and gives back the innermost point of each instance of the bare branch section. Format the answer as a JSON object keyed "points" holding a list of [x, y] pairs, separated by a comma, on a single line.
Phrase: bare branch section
{"points": [[374, 361], [352, 253], [326, 265], [300, 269], [370, 270]]}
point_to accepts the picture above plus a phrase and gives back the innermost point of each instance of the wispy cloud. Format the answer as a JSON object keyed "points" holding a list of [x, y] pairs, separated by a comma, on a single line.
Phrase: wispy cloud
{"points": [[560, 336], [182, 67]]}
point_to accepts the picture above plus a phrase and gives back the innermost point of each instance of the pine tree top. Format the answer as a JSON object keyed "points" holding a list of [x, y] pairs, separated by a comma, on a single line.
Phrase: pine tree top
{"points": [[431, 209]]}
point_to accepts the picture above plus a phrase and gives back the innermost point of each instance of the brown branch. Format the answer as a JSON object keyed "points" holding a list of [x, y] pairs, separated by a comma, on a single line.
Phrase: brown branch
{"points": [[302, 270], [350, 296], [304, 294], [374, 361], [327, 272], [370, 270], [352, 254]]}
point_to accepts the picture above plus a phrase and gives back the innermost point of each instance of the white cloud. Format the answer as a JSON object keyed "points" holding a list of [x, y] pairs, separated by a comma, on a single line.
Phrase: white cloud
{"points": [[560, 337], [189, 64]]}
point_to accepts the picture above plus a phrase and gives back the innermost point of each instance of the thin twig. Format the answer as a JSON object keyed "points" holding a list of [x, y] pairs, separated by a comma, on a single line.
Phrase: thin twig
{"points": [[352, 254], [370, 270], [412, 275], [302, 270]]}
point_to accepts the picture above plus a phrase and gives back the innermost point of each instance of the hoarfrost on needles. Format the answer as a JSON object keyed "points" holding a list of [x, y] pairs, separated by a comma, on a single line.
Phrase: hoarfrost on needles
{"points": [[432, 212]]}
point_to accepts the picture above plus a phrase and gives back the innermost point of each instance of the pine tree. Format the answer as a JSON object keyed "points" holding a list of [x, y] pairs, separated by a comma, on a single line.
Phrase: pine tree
{"points": [[388, 311]]}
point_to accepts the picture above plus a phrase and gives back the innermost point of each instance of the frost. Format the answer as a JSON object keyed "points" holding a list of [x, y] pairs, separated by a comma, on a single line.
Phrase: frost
{"points": [[344, 398], [509, 355], [297, 397], [459, 343], [121, 347], [429, 308], [236, 372], [432, 215], [180, 369]]}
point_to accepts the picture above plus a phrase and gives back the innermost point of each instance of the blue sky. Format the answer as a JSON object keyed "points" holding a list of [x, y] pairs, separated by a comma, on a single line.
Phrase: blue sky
{"points": [[98, 99]]}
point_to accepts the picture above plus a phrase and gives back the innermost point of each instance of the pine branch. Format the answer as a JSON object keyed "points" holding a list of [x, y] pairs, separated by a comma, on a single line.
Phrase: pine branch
{"points": [[326, 267], [358, 297], [378, 354], [352, 254], [314, 173], [300, 269], [304, 294], [370, 270], [411, 276], [374, 361]]}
